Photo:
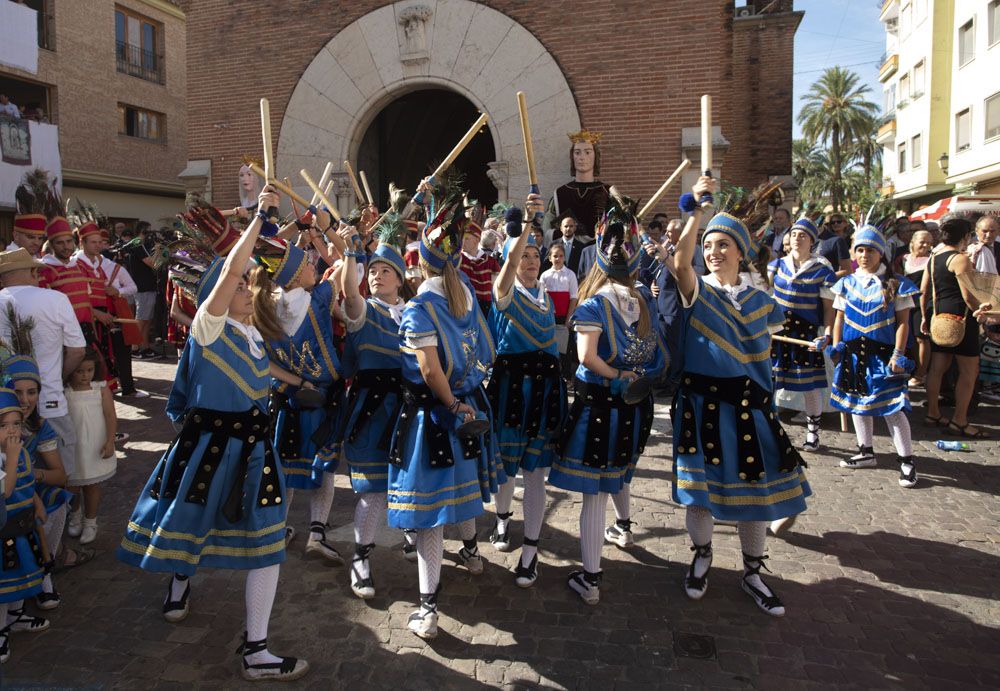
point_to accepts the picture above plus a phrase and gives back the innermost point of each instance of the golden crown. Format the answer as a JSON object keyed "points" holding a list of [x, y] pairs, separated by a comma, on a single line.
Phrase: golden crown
{"points": [[585, 136]]}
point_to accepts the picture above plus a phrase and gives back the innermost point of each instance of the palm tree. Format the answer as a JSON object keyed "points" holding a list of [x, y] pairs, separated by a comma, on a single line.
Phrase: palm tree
{"points": [[866, 151], [836, 112]]}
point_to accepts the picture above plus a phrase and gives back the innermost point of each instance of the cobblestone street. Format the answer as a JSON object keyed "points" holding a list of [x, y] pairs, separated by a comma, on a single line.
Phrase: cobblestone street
{"points": [[885, 587]]}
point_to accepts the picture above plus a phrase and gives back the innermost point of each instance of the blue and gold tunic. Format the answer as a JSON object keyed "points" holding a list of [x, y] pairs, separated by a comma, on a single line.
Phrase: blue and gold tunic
{"points": [[526, 390], [730, 454], [307, 439], [863, 381], [800, 291], [436, 477], [603, 435], [21, 565], [216, 498], [46, 439], [374, 364]]}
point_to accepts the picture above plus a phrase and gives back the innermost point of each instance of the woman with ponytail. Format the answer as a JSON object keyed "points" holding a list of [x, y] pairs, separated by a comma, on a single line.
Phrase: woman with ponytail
{"points": [[443, 460], [605, 434]]}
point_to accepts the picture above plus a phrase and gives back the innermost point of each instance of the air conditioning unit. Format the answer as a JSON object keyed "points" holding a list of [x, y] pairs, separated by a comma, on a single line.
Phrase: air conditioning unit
{"points": [[746, 11]]}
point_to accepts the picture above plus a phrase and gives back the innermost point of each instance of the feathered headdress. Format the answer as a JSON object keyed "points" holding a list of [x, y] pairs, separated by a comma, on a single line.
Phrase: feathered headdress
{"points": [[282, 260], [619, 247], [87, 219], [18, 359], [391, 235], [206, 235], [36, 201], [743, 216], [872, 231], [499, 210]]}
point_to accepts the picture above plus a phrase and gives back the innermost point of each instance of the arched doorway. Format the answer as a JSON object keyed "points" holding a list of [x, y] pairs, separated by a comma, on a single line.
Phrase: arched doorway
{"points": [[413, 133]]}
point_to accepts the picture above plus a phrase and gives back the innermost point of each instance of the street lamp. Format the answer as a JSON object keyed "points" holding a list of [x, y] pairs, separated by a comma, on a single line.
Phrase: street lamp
{"points": [[943, 163]]}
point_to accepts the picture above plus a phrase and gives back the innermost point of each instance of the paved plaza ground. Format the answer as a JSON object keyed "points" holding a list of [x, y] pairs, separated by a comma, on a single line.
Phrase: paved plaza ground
{"points": [[885, 588]]}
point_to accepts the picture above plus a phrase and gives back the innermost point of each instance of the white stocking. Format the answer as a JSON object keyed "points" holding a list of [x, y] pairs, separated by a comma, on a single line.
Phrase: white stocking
{"points": [[622, 502], [534, 511], [54, 525], [467, 530], [368, 516], [289, 496], [814, 402], [430, 549], [503, 498], [864, 428], [592, 530], [700, 525], [262, 584], [899, 428], [322, 499], [752, 537]]}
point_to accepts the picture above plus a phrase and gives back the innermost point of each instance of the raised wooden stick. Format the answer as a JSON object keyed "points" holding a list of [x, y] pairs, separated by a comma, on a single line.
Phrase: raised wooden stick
{"points": [[793, 341], [655, 199], [316, 190], [529, 149], [706, 141], [324, 182], [277, 184], [368, 190], [354, 182], [462, 143]]}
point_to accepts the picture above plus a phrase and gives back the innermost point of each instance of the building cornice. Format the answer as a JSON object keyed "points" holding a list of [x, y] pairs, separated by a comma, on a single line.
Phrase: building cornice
{"points": [[121, 183], [164, 6]]}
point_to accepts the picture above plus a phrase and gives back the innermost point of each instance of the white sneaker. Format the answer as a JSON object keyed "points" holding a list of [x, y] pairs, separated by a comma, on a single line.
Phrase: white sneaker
{"points": [[424, 622], [588, 587], [472, 560], [75, 525], [783, 524], [620, 534], [865, 458], [317, 545], [526, 575], [89, 531]]}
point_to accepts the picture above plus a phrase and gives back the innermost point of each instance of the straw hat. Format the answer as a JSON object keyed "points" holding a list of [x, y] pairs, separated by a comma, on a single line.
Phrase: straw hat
{"points": [[17, 260]]}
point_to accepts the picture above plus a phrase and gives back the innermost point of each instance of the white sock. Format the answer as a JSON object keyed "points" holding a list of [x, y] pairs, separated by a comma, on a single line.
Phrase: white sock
{"points": [[289, 496], [322, 499], [503, 499], [864, 428], [262, 584], [47, 586], [700, 525], [899, 428], [178, 584], [592, 530], [622, 503], [430, 549], [534, 511], [11, 607], [368, 516], [814, 402], [55, 523], [752, 537], [467, 530]]}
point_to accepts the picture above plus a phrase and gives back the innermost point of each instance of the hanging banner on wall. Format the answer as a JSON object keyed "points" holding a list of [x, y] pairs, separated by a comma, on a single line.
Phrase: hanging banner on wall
{"points": [[15, 141]]}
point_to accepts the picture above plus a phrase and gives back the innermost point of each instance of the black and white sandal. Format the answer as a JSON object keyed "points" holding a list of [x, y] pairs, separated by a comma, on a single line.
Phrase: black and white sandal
{"points": [[695, 586], [4, 644], [317, 545], [46, 601], [176, 611], [501, 539], [362, 587], [767, 601], [812, 432], [25, 622], [525, 576], [287, 669]]}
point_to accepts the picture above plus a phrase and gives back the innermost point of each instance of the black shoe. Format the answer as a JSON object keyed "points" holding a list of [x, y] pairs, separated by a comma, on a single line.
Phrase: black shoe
{"points": [[768, 601], [695, 586], [176, 611], [286, 669]]}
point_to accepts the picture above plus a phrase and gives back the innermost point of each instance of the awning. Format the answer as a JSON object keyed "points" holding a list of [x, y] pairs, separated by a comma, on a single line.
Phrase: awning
{"points": [[961, 205]]}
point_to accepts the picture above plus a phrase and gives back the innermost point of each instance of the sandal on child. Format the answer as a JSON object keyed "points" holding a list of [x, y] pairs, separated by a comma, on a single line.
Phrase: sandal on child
{"points": [[286, 669], [26, 622], [956, 428]]}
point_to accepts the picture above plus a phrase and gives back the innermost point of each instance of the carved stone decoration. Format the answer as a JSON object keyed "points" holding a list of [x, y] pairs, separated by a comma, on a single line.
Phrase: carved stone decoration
{"points": [[413, 19], [499, 175], [343, 191]]}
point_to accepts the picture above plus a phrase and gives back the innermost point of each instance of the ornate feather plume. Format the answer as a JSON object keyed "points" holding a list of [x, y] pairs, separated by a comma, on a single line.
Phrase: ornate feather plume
{"points": [[86, 212], [752, 208], [398, 198], [20, 332], [392, 231], [37, 195]]}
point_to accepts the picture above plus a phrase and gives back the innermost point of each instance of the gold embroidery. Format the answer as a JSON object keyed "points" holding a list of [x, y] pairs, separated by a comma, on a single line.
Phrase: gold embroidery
{"points": [[190, 537], [322, 345], [233, 376], [453, 488], [721, 342], [211, 550]]}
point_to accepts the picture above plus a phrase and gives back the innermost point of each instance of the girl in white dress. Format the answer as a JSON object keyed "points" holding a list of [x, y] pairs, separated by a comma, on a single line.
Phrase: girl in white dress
{"points": [[92, 410]]}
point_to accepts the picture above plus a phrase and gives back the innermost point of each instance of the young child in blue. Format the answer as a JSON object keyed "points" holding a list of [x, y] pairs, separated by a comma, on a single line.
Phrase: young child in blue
{"points": [[802, 282], [732, 460], [293, 313], [373, 362], [41, 442], [438, 477], [21, 556], [617, 344], [869, 345], [216, 498], [526, 392]]}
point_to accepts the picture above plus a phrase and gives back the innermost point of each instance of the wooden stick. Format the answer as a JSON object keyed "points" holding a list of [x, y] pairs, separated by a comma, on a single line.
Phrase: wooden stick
{"points": [[793, 341], [265, 129], [354, 182], [655, 199], [278, 185], [462, 143], [122, 320], [316, 190], [529, 149], [706, 134], [368, 190], [323, 182]]}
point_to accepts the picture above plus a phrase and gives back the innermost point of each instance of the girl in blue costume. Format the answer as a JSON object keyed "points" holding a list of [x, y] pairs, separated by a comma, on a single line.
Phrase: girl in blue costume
{"points": [[293, 312], [869, 345], [436, 476], [373, 362], [41, 442], [802, 282], [732, 460], [526, 391], [216, 498], [22, 557], [617, 344]]}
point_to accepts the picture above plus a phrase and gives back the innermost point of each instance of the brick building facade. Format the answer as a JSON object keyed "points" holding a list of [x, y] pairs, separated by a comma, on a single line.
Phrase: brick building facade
{"points": [[633, 70]]}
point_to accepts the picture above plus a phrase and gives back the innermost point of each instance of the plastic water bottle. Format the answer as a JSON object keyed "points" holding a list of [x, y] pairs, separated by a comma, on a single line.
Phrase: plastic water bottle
{"points": [[953, 445]]}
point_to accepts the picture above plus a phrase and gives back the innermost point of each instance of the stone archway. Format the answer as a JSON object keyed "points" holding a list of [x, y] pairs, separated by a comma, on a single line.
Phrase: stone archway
{"points": [[407, 46]]}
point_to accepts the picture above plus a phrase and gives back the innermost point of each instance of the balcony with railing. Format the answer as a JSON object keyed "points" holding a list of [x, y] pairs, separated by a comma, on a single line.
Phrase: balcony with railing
{"points": [[136, 62], [888, 66], [887, 131]]}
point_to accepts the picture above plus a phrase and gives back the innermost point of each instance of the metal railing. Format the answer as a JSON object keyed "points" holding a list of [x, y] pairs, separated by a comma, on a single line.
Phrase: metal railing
{"points": [[134, 61]]}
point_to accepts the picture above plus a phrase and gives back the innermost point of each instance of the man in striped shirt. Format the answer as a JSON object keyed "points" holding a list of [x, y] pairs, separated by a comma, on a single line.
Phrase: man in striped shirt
{"points": [[481, 267]]}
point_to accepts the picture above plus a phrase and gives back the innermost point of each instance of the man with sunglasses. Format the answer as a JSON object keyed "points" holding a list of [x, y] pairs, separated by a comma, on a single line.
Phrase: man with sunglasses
{"points": [[834, 246]]}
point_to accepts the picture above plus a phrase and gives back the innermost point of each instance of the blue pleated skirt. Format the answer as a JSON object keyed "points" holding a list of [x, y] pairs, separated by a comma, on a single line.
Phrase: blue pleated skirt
{"points": [[367, 456], [886, 395], [570, 473], [22, 578], [305, 468]]}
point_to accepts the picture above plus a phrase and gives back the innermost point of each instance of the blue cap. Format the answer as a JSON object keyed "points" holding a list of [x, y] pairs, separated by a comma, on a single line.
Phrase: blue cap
{"points": [[19, 368], [9, 404], [390, 255], [437, 254], [734, 228], [510, 243], [807, 226], [869, 236], [208, 280], [290, 266]]}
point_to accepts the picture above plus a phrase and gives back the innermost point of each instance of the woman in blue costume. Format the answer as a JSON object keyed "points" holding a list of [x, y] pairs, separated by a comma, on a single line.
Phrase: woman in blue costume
{"points": [[216, 498], [526, 391], [22, 557], [732, 460], [616, 344], [437, 476], [802, 282], [41, 442], [293, 313], [374, 364], [869, 345]]}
